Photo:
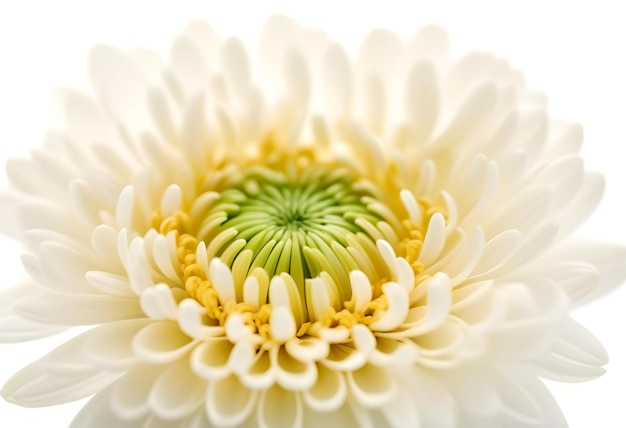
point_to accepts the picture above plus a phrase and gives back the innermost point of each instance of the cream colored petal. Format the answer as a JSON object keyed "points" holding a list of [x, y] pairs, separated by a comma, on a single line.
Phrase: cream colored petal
{"points": [[98, 409], [344, 358], [338, 81], [379, 54], [472, 302], [66, 309], [120, 86], [109, 283], [401, 411], [579, 344], [110, 346], [535, 388], [608, 259], [431, 42], [292, 374], [459, 268], [158, 302], [517, 402], [320, 295], [229, 403], [307, 349], [496, 252], [533, 246], [338, 334], [236, 68], [161, 342], [66, 267], [129, 398], [328, 393], [283, 292], [163, 252], [222, 280], [9, 221], [139, 271], [282, 325], [195, 323], [391, 352], [363, 338], [209, 359], [436, 310], [422, 100], [34, 387], [397, 308], [475, 112], [437, 407], [279, 407], [14, 328], [262, 373], [443, 348], [242, 357], [475, 390], [361, 290], [371, 386], [583, 204], [162, 114], [434, 240], [177, 392]]}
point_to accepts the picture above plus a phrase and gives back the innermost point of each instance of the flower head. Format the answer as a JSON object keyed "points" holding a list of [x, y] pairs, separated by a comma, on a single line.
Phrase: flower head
{"points": [[306, 240]]}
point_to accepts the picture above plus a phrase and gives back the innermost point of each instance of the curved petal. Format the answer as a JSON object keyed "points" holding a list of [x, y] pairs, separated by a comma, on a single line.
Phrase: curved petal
{"points": [[177, 393], [161, 342], [228, 402]]}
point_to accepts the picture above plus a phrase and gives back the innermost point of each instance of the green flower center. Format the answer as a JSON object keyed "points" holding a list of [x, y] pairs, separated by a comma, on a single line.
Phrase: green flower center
{"points": [[299, 223]]}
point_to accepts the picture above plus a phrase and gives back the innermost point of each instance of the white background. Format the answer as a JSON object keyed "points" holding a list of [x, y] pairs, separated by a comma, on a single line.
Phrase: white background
{"points": [[574, 52]]}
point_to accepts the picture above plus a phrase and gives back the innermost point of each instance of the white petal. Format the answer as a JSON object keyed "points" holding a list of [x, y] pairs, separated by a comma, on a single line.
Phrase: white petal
{"points": [[372, 386], [437, 308], [171, 200], [137, 265], [422, 100], [78, 310], [434, 240], [228, 402], [397, 308], [282, 325], [475, 390], [329, 391], [194, 322], [361, 290], [579, 344], [209, 359], [98, 410], [364, 340], [109, 346], [222, 280], [236, 68], [400, 411], [158, 302], [120, 86], [344, 358], [279, 407], [109, 283], [66, 268], [34, 387], [338, 86], [129, 399], [308, 348], [177, 392], [161, 342], [14, 328], [292, 374]]}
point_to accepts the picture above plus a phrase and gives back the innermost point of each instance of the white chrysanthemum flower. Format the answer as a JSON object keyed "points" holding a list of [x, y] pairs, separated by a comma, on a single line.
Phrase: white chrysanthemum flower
{"points": [[305, 241]]}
